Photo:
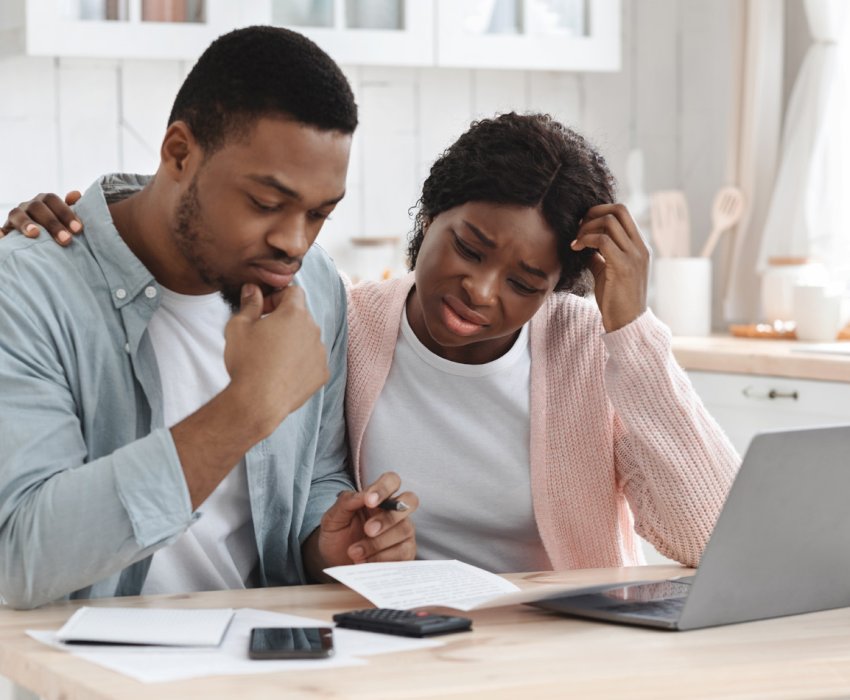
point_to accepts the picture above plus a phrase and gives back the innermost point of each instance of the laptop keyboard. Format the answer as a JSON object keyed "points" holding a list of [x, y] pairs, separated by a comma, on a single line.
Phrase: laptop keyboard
{"points": [[668, 609]]}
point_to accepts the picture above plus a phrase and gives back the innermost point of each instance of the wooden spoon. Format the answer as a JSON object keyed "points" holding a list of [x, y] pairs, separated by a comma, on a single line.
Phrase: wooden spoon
{"points": [[726, 211], [671, 228]]}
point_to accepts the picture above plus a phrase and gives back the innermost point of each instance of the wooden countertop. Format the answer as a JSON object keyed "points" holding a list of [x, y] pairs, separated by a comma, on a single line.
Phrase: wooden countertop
{"points": [[778, 358]]}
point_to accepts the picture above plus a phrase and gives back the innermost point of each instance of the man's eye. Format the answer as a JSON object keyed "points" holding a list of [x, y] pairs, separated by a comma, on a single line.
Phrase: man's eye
{"points": [[264, 207], [319, 215]]}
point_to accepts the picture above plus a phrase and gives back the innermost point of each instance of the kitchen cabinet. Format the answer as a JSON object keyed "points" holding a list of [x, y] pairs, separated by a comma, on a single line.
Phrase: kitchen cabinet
{"points": [[522, 34], [148, 29], [364, 32], [577, 35], [755, 385], [745, 404]]}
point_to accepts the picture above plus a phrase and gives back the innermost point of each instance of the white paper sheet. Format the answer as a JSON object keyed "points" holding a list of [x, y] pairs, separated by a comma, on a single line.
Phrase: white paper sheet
{"points": [[157, 665], [415, 584], [160, 626], [406, 585]]}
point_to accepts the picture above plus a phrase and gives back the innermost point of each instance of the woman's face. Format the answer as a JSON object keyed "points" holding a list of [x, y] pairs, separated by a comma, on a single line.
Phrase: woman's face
{"points": [[482, 272]]}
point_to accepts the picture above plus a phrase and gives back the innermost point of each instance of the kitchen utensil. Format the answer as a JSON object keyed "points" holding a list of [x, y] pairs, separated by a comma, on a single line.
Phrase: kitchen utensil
{"points": [[636, 198], [726, 211], [670, 223]]}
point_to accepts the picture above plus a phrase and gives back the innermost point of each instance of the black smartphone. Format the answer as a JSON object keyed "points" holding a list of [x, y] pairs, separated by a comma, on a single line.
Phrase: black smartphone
{"points": [[291, 643]]}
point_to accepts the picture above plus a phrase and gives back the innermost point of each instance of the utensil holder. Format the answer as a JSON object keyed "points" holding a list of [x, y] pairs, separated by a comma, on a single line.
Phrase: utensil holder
{"points": [[683, 294]]}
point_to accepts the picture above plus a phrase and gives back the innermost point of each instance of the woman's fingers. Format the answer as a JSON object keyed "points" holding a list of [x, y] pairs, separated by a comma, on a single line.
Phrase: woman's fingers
{"points": [[48, 211]]}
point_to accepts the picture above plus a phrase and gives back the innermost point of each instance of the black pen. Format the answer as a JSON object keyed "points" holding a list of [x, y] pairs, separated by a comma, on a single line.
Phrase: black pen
{"points": [[393, 504]]}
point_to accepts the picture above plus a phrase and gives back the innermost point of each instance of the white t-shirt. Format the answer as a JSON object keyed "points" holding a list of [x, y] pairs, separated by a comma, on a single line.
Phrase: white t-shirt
{"points": [[459, 437], [219, 550]]}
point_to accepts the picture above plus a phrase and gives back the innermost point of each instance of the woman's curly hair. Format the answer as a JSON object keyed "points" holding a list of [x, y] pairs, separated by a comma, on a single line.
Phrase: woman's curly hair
{"points": [[528, 160]]}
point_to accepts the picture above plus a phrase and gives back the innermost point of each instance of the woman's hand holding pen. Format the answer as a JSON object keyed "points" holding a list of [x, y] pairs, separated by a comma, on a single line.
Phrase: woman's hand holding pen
{"points": [[369, 525]]}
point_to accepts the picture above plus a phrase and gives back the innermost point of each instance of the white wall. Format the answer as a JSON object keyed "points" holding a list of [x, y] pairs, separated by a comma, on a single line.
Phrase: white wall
{"points": [[64, 121]]}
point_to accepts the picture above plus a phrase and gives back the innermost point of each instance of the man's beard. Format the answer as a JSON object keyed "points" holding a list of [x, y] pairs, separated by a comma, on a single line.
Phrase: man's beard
{"points": [[189, 238]]}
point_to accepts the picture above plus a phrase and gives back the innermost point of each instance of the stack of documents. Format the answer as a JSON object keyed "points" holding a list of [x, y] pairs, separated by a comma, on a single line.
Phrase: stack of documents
{"points": [[159, 664]]}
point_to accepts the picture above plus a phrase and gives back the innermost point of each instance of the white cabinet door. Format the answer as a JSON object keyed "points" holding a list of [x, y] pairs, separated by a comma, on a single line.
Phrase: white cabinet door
{"points": [[576, 35], [170, 29], [364, 32], [747, 404]]}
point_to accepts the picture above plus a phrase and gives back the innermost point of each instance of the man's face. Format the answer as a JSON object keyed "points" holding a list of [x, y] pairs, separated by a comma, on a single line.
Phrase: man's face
{"points": [[254, 207]]}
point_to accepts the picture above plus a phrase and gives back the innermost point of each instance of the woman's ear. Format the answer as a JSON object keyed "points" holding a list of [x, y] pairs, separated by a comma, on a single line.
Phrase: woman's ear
{"points": [[179, 151]]}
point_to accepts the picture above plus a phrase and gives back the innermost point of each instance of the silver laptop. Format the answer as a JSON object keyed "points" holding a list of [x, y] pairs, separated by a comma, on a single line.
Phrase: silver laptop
{"points": [[781, 545]]}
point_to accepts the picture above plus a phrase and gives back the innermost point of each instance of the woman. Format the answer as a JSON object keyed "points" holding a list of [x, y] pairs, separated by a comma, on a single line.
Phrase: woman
{"points": [[539, 429]]}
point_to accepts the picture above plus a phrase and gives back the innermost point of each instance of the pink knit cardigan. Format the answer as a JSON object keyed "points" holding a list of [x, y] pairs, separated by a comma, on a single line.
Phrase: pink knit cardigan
{"points": [[614, 423]]}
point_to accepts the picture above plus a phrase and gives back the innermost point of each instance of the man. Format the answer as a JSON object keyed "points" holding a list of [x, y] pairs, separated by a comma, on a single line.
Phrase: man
{"points": [[141, 453]]}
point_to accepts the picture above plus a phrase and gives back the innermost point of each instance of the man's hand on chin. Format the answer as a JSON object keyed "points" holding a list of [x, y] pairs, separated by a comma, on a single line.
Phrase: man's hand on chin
{"points": [[271, 300]]}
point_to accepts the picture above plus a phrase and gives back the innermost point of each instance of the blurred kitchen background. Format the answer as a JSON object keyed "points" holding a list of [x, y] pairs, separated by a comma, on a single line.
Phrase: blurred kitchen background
{"points": [[682, 96]]}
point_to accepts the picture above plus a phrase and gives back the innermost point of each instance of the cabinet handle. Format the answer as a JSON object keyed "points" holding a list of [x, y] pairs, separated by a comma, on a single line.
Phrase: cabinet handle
{"points": [[751, 393]]}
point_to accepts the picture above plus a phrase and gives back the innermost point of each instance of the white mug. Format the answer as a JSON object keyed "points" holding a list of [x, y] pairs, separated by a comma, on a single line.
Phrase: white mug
{"points": [[683, 294], [817, 312]]}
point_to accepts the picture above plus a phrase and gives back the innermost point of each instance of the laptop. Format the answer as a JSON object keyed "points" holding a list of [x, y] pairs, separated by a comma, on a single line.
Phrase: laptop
{"points": [[781, 545]]}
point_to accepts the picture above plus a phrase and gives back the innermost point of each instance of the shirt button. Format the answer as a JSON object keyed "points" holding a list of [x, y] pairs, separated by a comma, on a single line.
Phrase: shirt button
{"points": [[127, 348], [120, 293], [150, 292]]}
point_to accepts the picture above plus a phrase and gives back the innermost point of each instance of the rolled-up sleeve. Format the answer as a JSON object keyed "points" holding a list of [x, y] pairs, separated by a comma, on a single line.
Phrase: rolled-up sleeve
{"points": [[67, 520]]}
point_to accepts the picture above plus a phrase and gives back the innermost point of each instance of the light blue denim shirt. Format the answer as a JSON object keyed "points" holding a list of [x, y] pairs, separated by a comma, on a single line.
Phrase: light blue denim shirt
{"points": [[90, 481]]}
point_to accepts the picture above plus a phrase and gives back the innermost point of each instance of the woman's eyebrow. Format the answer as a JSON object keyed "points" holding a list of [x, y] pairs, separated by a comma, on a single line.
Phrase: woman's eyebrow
{"points": [[480, 235], [533, 270]]}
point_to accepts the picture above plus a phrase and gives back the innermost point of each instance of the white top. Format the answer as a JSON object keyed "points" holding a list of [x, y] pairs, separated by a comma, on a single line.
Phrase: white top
{"points": [[458, 435], [219, 551]]}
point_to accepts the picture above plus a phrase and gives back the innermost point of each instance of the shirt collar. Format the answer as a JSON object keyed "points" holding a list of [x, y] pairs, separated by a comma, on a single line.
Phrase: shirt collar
{"points": [[124, 272]]}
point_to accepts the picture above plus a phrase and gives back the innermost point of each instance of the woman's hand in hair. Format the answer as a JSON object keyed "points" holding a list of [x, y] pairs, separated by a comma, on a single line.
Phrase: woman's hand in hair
{"points": [[620, 265], [46, 210]]}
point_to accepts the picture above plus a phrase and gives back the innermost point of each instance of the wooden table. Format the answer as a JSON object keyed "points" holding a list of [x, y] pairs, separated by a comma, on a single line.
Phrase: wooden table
{"points": [[514, 652]]}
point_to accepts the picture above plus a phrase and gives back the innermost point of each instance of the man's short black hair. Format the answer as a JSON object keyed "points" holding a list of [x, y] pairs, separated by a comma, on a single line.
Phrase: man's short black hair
{"points": [[260, 72]]}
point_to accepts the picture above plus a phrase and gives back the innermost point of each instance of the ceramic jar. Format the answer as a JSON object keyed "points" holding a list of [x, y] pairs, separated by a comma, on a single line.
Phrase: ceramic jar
{"points": [[683, 294], [778, 282], [374, 258]]}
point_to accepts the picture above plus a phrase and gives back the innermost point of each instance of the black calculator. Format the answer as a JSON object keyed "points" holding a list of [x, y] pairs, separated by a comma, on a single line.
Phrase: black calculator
{"points": [[407, 623]]}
